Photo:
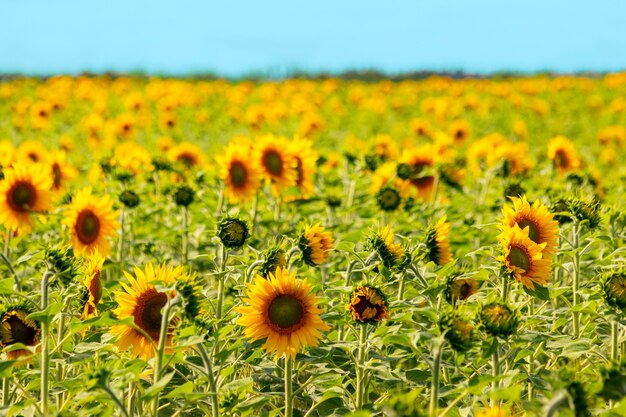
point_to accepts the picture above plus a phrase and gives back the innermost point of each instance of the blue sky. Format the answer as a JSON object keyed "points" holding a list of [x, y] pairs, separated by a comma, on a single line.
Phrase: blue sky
{"points": [[237, 37]]}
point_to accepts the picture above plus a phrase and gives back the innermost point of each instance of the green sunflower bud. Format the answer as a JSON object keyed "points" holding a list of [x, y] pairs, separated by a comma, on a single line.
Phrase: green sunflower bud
{"points": [[233, 232], [129, 198], [184, 195], [499, 319]]}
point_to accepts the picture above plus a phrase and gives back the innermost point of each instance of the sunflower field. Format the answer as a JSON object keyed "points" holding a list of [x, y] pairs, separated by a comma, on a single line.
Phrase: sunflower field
{"points": [[311, 248]]}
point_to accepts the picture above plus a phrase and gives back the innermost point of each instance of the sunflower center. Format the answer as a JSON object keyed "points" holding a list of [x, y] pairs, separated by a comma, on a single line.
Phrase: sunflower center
{"points": [[533, 231], [300, 170], [273, 162], [285, 311], [20, 332], [87, 227], [149, 315], [238, 174], [95, 287], [365, 309], [56, 175], [560, 157], [22, 196], [187, 159], [465, 291], [519, 258]]}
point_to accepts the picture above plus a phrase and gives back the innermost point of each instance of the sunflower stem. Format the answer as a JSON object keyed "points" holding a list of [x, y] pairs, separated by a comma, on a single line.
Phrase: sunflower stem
{"points": [[158, 361], [120, 243], [220, 200], [60, 364], [220, 283], [7, 243], [435, 374], [115, 399], [6, 391], [495, 364], [131, 398], [505, 288], [215, 398], [277, 207], [401, 288], [576, 277], [615, 341], [348, 273], [45, 358], [16, 279], [185, 237], [255, 208], [361, 388], [288, 387], [531, 358]]}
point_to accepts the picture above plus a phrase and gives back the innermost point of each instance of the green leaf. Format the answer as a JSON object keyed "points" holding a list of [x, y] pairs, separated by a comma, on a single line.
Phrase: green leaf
{"points": [[186, 388], [152, 392], [539, 292], [46, 316], [6, 286], [5, 368]]}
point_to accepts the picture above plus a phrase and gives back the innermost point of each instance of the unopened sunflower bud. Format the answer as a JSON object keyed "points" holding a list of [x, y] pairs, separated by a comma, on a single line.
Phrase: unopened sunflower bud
{"points": [[388, 199], [459, 332], [129, 198], [184, 196], [233, 232], [499, 319]]}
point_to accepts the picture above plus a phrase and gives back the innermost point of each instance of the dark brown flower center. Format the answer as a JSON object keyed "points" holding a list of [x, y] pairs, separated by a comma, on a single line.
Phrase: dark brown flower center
{"points": [[238, 174], [363, 305], [273, 162], [561, 159], [519, 257], [22, 196], [285, 312], [187, 159], [147, 313], [87, 227], [56, 175], [533, 231], [300, 170], [19, 332], [95, 287]]}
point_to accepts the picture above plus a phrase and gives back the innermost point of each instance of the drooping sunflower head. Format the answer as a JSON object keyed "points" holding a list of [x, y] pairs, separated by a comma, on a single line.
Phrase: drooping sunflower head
{"points": [[614, 287], [92, 221], [563, 154], [315, 244], [239, 171], [144, 303], [16, 328], [368, 304], [542, 228], [523, 258], [460, 289], [24, 190], [281, 310], [437, 243], [382, 242], [274, 257], [93, 284], [278, 165], [459, 331], [233, 232], [499, 319]]}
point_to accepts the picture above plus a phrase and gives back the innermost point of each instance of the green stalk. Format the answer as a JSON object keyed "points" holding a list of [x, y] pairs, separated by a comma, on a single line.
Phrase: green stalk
{"points": [[60, 365], [220, 200], [505, 288], [531, 358], [131, 397], [348, 272], [158, 362], [401, 288], [215, 398], [115, 399], [185, 237], [255, 208], [45, 357], [435, 370], [576, 277], [495, 364], [615, 341], [361, 388], [288, 387], [220, 283], [6, 391], [120, 242]]}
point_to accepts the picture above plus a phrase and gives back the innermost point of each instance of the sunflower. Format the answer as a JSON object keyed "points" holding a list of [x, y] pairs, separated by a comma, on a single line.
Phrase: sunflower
{"points": [[563, 154], [278, 164], [368, 305], [91, 221], [499, 319], [240, 173], [523, 258], [61, 170], [459, 130], [419, 159], [33, 150], [315, 244], [188, 155], [542, 228], [143, 302], [16, 328], [391, 253], [460, 289], [24, 190], [437, 242], [492, 412], [93, 284], [306, 159], [281, 310]]}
